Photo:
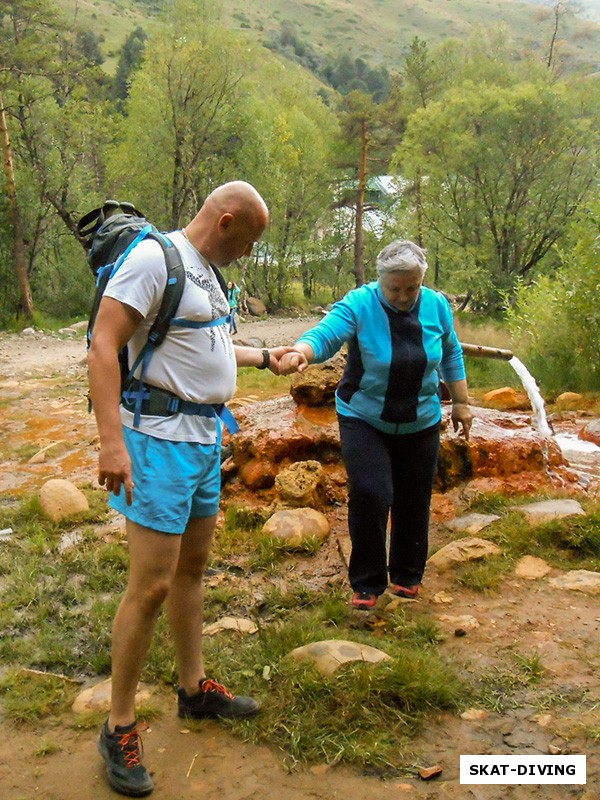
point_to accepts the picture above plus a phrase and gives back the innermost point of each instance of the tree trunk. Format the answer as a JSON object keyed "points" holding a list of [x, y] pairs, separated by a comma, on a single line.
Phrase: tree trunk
{"points": [[359, 240], [26, 303], [419, 205]]}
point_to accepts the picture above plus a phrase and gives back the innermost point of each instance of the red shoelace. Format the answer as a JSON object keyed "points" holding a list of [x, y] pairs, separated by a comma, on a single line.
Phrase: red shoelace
{"points": [[131, 745], [212, 686]]}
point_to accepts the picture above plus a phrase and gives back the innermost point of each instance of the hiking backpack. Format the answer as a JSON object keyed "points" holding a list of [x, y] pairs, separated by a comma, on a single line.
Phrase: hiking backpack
{"points": [[109, 233]]}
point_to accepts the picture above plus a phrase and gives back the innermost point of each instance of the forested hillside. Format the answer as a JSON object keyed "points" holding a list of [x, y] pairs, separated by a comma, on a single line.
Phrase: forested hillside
{"points": [[488, 135]]}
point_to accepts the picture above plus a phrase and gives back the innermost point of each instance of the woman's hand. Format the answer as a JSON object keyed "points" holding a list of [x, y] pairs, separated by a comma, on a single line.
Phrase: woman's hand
{"points": [[292, 361], [462, 416]]}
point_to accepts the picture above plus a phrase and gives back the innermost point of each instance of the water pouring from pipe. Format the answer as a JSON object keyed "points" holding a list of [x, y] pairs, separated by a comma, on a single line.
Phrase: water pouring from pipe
{"points": [[539, 419]]}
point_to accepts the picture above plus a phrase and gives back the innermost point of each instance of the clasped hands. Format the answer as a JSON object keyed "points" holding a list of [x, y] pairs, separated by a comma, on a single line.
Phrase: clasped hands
{"points": [[287, 360]]}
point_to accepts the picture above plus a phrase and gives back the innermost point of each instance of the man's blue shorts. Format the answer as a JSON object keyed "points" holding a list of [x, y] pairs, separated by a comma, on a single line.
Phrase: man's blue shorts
{"points": [[173, 482]]}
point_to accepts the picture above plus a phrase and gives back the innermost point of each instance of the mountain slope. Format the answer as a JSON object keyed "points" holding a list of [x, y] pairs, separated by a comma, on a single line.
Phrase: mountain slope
{"points": [[379, 31]]}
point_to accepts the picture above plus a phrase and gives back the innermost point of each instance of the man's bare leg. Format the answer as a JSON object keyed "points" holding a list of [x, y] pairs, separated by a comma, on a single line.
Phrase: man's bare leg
{"points": [[185, 602], [153, 558]]}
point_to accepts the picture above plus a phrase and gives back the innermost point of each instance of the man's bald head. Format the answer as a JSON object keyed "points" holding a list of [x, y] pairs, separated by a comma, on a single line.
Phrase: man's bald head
{"points": [[237, 196], [231, 220]]}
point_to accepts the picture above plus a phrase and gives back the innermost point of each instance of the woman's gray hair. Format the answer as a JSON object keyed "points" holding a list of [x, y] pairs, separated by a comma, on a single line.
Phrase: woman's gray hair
{"points": [[401, 255]]}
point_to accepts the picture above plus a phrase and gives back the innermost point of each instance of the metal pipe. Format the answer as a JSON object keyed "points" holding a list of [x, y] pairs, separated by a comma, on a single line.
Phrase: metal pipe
{"points": [[479, 351]]}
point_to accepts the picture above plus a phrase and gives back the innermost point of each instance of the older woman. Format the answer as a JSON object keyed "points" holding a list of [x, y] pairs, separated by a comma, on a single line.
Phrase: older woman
{"points": [[400, 334]]}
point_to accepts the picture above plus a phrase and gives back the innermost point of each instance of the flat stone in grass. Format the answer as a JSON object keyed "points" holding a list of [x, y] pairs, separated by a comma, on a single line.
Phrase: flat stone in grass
{"points": [[97, 698], [579, 580], [531, 568], [60, 499], [547, 510], [291, 527], [329, 654], [468, 549], [471, 523]]}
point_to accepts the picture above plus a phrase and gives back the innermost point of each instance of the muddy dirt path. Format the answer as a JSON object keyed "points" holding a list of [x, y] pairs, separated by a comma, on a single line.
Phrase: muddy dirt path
{"points": [[42, 386]]}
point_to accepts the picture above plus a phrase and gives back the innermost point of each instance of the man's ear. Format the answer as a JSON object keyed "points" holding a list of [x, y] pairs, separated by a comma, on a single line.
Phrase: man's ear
{"points": [[225, 221]]}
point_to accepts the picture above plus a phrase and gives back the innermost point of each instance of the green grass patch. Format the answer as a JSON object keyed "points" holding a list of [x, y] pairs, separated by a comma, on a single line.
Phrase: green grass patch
{"points": [[571, 542], [364, 714], [57, 606], [483, 576], [28, 697], [504, 687]]}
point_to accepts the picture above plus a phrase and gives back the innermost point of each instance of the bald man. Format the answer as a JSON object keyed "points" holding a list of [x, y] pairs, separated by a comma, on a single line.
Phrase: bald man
{"points": [[163, 470]]}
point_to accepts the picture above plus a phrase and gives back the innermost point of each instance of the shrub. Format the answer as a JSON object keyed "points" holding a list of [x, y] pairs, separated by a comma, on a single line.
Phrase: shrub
{"points": [[555, 321]]}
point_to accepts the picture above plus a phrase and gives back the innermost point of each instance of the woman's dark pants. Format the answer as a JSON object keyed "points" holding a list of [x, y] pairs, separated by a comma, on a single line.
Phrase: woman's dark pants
{"points": [[388, 472]]}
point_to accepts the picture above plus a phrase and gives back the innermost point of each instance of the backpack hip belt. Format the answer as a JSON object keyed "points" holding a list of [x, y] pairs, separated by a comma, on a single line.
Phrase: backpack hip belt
{"points": [[158, 402]]}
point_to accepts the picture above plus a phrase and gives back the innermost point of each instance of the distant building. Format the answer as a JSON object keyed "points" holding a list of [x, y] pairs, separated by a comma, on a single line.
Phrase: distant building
{"points": [[381, 195]]}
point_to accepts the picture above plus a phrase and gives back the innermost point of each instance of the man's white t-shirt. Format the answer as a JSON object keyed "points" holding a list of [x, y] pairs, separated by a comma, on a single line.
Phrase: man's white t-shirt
{"points": [[196, 364]]}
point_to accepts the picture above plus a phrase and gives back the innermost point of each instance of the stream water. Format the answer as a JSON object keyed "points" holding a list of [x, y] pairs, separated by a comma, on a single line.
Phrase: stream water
{"points": [[539, 419], [583, 457]]}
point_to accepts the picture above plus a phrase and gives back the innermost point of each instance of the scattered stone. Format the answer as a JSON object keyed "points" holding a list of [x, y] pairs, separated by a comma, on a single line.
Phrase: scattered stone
{"points": [[472, 523], [445, 505], [459, 632], [591, 432], [69, 540], [465, 621], [40, 456], [474, 714], [301, 484], [457, 552], [579, 580], [553, 750], [427, 773], [480, 487], [505, 399], [329, 654], [60, 498], [543, 720], [97, 698], [550, 509], [6, 534], [79, 327], [256, 307], [442, 597], [238, 624], [257, 474], [292, 527], [531, 568], [568, 401]]}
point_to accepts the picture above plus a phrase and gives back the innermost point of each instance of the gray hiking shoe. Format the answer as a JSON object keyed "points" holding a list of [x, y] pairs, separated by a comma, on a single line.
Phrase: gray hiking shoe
{"points": [[214, 700], [121, 751]]}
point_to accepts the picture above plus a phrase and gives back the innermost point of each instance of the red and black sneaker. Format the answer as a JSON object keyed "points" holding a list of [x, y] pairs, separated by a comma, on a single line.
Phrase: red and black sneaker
{"points": [[121, 750], [214, 700], [364, 601], [409, 592]]}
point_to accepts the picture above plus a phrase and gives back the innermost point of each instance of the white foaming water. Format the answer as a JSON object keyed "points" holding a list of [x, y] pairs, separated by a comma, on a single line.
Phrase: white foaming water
{"points": [[539, 419]]}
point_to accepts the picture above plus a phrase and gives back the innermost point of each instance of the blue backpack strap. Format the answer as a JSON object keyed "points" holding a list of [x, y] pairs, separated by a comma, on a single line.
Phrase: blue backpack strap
{"points": [[229, 420], [141, 393], [141, 235]]}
